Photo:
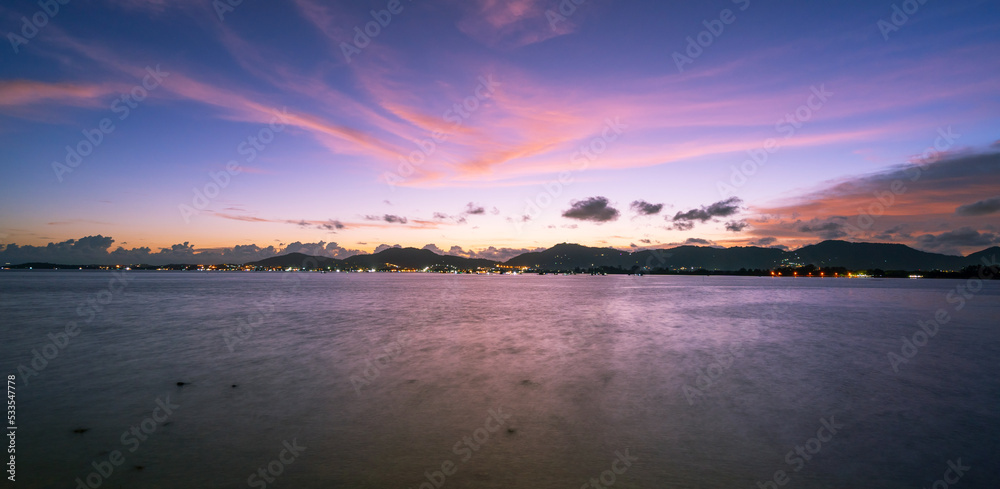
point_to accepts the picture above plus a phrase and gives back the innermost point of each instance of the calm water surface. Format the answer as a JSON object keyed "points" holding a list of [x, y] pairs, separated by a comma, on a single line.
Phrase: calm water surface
{"points": [[704, 381]]}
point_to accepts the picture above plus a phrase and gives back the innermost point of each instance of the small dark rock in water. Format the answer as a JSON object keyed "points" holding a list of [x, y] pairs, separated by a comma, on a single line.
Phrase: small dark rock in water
{"points": [[511, 430], [181, 384], [81, 431], [234, 386], [168, 423], [139, 467]]}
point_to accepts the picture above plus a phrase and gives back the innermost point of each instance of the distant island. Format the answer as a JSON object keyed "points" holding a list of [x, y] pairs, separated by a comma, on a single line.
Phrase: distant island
{"points": [[832, 258]]}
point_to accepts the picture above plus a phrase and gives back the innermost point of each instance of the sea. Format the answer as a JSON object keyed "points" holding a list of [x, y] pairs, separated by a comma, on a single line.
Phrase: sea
{"points": [[169, 379]]}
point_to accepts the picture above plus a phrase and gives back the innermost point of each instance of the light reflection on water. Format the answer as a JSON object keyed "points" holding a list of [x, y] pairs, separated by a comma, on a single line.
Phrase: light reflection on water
{"points": [[382, 376]]}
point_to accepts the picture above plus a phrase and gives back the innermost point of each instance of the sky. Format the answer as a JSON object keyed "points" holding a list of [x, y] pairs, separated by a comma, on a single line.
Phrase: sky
{"points": [[160, 131]]}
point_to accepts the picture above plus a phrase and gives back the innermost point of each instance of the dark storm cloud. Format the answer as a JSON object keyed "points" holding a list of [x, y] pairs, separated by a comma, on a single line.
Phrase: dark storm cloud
{"points": [[981, 208], [697, 241], [645, 208], [949, 242], [765, 241], [825, 230], [596, 209], [940, 186], [723, 208]]}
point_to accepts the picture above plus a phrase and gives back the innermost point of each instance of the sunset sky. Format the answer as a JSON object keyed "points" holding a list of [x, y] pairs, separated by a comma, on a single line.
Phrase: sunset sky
{"points": [[460, 124]]}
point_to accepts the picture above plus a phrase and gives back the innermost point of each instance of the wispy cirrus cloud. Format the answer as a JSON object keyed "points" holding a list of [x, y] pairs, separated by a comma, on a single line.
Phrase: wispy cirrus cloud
{"points": [[510, 23], [28, 92]]}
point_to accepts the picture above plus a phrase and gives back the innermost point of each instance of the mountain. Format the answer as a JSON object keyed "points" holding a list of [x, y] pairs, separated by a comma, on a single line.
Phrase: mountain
{"points": [[832, 253], [297, 260], [886, 256], [749, 257], [570, 256], [991, 255], [414, 258], [567, 256]]}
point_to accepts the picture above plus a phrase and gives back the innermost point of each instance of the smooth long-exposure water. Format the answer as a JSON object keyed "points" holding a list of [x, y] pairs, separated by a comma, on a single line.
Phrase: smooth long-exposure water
{"points": [[307, 380]]}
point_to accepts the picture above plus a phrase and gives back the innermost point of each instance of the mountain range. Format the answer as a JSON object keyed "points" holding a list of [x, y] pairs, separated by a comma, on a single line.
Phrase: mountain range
{"points": [[567, 256], [571, 257]]}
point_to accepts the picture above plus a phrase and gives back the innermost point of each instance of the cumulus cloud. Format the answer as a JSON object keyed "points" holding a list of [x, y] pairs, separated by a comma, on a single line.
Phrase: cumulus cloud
{"points": [[723, 208], [644, 208], [332, 250], [491, 253], [383, 247], [434, 248], [736, 226], [596, 209], [474, 209], [981, 208], [96, 250], [951, 242], [697, 241]]}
